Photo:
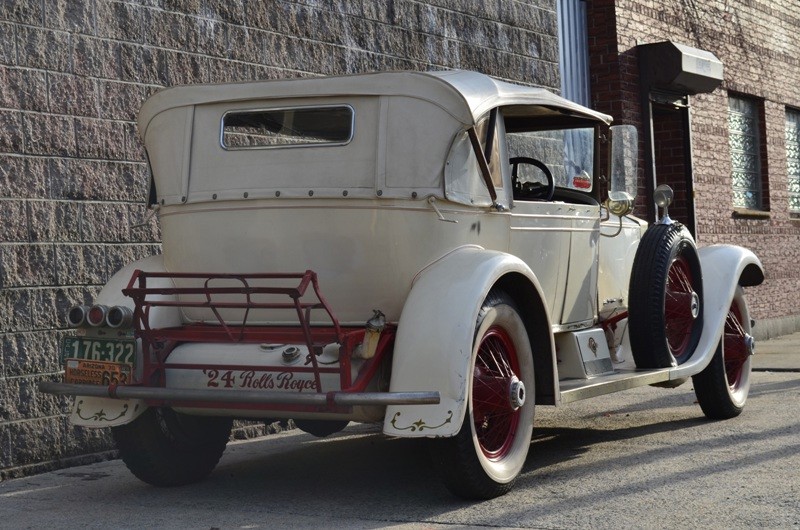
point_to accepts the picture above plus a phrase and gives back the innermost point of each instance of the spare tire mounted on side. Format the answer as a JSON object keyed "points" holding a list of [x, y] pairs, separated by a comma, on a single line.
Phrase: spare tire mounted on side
{"points": [[666, 298]]}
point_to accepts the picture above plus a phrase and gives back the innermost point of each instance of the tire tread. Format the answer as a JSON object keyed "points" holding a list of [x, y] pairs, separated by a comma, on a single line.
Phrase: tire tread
{"points": [[710, 387], [647, 294], [153, 458]]}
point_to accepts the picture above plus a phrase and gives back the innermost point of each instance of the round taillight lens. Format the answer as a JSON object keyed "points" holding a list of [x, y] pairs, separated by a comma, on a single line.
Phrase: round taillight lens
{"points": [[97, 315], [119, 316], [77, 315]]}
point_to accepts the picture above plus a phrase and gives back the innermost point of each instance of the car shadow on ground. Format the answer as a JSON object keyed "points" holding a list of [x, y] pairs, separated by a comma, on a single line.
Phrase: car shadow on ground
{"points": [[362, 475]]}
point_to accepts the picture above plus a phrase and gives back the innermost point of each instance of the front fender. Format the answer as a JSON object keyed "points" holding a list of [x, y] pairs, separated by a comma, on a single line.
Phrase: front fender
{"points": [[724, 268], [106, 412], [435, 335]]}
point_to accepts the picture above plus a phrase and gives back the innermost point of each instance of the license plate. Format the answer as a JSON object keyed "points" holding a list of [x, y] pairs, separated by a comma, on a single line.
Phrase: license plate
{"points": [[86, 372], [93, 349]]}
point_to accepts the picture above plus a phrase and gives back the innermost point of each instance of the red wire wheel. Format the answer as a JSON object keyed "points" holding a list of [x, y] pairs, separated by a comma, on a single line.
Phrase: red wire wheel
{"points": [[484, 458], [722, 387], [681, 306], [735, 348], [665, 307], [494, 415]]}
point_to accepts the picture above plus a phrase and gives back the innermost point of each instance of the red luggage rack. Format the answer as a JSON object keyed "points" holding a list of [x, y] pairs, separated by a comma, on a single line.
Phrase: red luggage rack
{"points": [[157, 344]]}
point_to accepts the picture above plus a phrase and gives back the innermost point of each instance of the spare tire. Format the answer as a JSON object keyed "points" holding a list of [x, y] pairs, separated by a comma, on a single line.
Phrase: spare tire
{"points": [[665, 307]]}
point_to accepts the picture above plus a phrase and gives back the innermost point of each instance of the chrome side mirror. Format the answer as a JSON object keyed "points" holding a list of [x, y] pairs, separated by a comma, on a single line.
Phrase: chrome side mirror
{"points": [[663, 196], [620, 203]]}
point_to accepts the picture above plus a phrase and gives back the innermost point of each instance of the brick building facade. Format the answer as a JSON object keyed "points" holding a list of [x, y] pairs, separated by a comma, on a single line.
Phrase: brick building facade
{"points": [[73, 179], [755, 40]]}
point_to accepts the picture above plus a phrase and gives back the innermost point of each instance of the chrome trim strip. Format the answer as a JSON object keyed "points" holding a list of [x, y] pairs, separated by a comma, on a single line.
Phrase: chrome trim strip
{"points": [[243, 396]]}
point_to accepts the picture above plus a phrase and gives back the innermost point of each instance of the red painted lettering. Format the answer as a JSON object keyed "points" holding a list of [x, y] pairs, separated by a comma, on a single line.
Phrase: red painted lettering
{"points": [[286, 381], [249, 380]]}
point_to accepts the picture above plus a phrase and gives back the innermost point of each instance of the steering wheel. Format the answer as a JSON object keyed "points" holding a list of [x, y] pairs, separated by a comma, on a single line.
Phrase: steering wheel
{"points": [[531, 190]]}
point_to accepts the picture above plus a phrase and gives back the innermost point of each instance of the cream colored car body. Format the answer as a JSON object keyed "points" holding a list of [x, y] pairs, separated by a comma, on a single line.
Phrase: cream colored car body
{"points": [[397, 218]]}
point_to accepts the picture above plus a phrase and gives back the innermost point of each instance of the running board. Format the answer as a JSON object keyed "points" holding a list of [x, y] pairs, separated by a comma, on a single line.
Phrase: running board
{"points": [[184, 395], [577, 389]]}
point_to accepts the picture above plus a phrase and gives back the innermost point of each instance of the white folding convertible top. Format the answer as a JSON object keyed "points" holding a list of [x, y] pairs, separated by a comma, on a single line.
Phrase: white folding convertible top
{"points": [[465, 95]]}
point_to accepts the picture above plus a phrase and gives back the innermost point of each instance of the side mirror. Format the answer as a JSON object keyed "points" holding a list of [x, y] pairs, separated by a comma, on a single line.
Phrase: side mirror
{"points": [[619, 203], [624, 169]]}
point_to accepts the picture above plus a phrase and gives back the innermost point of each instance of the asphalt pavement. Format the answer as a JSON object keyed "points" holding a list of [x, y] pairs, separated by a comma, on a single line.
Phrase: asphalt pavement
{"points": [[643, 458]]}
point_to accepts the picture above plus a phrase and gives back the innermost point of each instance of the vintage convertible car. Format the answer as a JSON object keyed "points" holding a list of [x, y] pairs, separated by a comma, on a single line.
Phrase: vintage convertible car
{"points": [[439, 252]]}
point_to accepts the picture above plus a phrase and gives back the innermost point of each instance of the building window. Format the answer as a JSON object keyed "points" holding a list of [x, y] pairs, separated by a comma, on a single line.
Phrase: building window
{"points": [[793, 158], [745, 143]]}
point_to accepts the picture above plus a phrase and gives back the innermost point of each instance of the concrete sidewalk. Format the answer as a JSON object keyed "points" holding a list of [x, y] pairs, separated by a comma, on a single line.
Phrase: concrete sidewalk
{"points": [[778, 354]]}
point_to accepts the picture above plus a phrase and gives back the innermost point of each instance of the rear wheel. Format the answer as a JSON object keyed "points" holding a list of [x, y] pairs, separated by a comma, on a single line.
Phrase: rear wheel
{"points": [[166, 448], [722, 387], [321, 428], [666, 298], [484, 459]]}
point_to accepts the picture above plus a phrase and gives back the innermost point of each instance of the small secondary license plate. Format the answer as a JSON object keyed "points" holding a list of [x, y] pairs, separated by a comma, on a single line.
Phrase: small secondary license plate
{"points": [[93, 349], [86, 372]]}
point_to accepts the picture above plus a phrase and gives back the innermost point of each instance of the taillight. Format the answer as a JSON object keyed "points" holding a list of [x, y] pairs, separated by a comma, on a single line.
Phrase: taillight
{"points": [[77, 315], [119, 316], [97, 315]]}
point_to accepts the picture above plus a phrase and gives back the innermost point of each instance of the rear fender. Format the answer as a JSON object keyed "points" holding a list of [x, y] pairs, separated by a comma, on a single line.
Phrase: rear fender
{"points": [[111, 294], [434, 343], [107, 412], [724, 268]]}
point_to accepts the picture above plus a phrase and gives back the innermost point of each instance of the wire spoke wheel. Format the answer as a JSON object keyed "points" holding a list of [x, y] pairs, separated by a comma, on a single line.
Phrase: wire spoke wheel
{"points": [[681, 305], [494, 415], [735, 347], [666, 298], [722, 387], [484, 459]]}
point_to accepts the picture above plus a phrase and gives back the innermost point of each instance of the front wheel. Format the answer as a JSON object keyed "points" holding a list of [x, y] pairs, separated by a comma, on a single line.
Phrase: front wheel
{"points": [[484, 459], [166, 448], [722, 387]]}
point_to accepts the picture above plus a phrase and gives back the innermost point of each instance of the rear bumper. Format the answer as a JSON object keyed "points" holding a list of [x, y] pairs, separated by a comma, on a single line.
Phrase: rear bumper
{"points": [[181, 395]]}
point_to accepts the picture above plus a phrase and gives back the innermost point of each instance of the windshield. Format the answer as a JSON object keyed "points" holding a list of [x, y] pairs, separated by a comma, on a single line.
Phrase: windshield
{"points": [[567, 153]]}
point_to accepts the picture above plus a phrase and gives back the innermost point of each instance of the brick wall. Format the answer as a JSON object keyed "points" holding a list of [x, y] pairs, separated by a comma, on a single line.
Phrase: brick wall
{"points": [[756, 41], [73, 181]]}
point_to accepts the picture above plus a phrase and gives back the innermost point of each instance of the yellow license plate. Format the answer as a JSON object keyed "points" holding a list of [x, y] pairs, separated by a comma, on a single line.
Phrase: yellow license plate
{"points": [[88, 372]]}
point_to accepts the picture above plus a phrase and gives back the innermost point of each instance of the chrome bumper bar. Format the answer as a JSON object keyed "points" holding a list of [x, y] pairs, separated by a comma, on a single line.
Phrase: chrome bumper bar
{"points": [[182, 395]]}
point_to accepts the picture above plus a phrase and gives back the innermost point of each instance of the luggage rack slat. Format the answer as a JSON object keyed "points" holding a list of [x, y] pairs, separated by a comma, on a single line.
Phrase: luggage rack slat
{"points": [[234, 305]]}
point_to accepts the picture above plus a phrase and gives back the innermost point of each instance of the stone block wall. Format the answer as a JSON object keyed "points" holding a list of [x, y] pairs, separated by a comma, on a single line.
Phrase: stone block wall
{"points": [[755, 40], [73, 178]]}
